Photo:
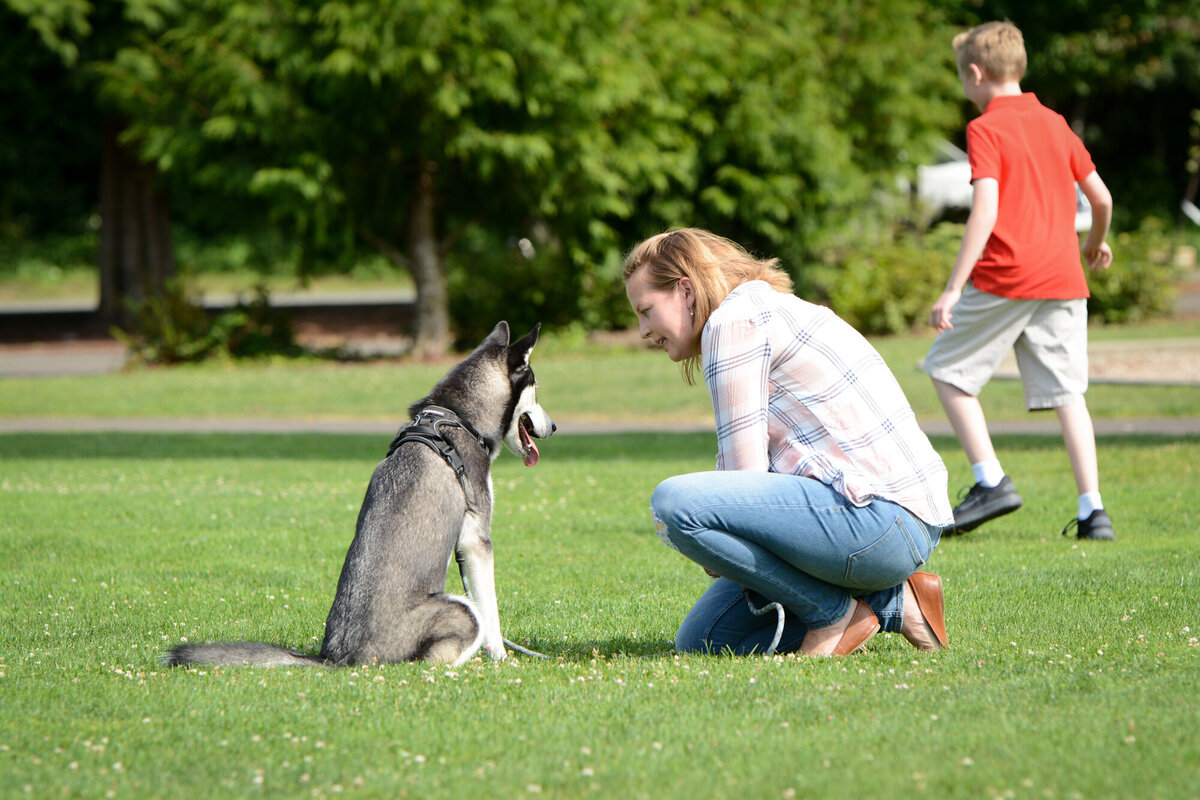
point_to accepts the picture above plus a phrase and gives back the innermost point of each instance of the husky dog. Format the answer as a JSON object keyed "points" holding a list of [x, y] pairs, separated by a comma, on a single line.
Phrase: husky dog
{"points": [[430, 498]]}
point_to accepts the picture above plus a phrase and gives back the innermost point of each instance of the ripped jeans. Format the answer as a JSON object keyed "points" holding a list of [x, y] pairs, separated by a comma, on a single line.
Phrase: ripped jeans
{"points": [[788, 539]]}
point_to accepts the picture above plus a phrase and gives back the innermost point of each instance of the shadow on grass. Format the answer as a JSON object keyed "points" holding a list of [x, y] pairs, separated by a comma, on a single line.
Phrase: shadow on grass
{"points": [[584, 650], [323, 446], [372, 448]]}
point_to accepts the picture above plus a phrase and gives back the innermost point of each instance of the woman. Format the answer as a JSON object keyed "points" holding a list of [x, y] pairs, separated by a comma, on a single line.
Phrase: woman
{"points": [[826, 497]]}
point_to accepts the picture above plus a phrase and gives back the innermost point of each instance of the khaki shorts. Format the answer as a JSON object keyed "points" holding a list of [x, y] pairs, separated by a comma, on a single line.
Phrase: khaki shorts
{"points": [[1049, 338]]}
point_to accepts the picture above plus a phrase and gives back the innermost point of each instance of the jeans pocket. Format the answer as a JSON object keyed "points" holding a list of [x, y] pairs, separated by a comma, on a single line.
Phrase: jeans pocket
{"points": [[891, 558]]}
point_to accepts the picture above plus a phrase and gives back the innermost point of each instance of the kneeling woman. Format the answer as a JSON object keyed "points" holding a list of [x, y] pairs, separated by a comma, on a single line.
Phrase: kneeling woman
{"points": [[827, 496]]}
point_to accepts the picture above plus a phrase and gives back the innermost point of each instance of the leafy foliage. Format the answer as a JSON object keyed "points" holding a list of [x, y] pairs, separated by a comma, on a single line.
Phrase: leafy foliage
{"points": [[590, 123], [1141, 282], [169, 328], [581, 126], [888, 286]]}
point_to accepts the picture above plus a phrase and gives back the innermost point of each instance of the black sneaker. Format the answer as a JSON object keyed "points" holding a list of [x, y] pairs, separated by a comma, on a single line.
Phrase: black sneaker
{"points": [[1096, 526], [982, 504]]}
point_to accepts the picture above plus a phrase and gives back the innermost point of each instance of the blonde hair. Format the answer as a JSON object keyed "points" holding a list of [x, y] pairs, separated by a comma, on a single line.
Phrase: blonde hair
{"points": [[715, 266], [996, 47]]}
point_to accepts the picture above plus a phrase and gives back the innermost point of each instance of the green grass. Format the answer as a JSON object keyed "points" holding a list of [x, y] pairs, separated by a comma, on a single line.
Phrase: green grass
{"points": [[579, 383], [1074, 668]]}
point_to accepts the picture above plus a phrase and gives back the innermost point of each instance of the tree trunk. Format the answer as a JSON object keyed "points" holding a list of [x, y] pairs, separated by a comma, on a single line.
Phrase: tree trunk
{"points": [[136, 256], [428, 271]]}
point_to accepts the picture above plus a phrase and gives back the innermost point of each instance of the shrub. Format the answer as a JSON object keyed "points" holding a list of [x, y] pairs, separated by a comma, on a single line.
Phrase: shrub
{"points": [[169, 328], [1141, 283], [888, 286]]}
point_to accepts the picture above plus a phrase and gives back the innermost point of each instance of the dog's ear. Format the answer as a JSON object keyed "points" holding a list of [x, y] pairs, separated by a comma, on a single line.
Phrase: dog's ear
{"points": [[518, 353], [526, 342], [498, 337]]}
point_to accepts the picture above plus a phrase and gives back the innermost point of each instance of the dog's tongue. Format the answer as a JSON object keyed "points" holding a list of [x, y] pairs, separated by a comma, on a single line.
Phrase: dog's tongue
{"points": [[531, 451]]}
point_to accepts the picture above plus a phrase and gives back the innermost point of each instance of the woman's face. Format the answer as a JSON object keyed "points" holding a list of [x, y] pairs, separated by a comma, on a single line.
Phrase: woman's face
{"points": [[664, 315]]}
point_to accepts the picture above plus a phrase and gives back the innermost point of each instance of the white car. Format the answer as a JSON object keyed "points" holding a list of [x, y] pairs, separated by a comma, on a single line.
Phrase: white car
{"points": [[946, 185]]}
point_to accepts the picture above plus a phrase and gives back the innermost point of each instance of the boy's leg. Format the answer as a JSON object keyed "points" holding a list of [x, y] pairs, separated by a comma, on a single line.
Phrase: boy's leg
{"points": [[966, 417], [1052, 356], [993, 494], [1080, 439], [1091, 521], [961, 362]]}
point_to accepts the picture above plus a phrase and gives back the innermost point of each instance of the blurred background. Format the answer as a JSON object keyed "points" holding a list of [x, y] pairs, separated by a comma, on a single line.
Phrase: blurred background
{"points": [[187, 171]]}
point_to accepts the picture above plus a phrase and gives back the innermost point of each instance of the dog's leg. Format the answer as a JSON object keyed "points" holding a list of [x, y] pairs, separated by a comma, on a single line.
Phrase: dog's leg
{"points": [[475, 547]]}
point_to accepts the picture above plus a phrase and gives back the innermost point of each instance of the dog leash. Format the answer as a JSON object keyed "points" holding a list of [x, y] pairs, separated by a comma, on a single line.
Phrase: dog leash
{"points": [[758, 612], [426, 429], [462, 575]]}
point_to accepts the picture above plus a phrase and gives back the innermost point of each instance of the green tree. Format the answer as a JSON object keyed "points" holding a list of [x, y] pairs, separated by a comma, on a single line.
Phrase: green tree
{"points": [[404, 123], [1125, 75], [445, 133], [426, 128], [135, 256]]}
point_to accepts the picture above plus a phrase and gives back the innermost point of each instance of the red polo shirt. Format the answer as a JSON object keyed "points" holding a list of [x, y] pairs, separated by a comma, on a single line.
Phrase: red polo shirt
{"points": [[1036, 158]]}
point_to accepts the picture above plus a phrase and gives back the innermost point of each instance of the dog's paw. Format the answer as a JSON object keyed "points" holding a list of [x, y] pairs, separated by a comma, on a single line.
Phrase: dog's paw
{"points": [[497, 651]]}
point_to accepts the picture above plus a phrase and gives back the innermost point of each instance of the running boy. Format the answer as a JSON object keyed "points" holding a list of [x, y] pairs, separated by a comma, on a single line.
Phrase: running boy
{"points": [[1027, 288]]}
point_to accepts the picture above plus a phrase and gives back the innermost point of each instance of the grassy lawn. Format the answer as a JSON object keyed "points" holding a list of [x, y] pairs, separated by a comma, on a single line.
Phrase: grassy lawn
{"points": [[579, 383], [1074, 668]]}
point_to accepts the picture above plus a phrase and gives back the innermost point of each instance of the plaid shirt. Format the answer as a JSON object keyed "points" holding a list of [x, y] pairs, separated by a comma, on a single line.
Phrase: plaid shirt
{"points": [[797, 390]]}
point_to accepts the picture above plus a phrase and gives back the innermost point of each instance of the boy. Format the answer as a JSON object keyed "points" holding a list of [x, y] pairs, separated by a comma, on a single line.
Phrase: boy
{"points": [[1028, 290]]}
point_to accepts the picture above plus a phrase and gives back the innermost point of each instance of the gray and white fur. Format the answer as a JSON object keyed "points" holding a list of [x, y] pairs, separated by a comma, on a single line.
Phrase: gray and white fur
{"points": [[390, 603]]}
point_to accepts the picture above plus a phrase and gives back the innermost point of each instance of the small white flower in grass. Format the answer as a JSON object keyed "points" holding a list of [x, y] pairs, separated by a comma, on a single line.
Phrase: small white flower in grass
{"points": [[587, 772], [967, 761]]}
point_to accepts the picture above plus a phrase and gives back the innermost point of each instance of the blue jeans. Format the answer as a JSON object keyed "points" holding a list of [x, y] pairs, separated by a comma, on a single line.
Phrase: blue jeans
{"points": [[789, 539]]}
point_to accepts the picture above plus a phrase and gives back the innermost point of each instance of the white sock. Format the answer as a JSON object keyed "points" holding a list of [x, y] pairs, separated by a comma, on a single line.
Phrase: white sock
{"points": [[989, 473], [1089, 502]]}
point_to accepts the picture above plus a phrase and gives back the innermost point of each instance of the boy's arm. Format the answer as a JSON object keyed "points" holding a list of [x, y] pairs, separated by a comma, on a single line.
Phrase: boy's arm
{"points": [[984, 205], [1096, 251]]}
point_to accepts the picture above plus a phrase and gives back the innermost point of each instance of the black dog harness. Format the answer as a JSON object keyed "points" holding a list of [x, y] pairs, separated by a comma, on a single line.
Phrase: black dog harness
{"points": [[427, 429]]}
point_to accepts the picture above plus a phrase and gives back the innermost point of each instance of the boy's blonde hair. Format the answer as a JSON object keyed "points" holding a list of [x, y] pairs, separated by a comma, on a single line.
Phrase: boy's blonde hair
{"points": [[996, 47], [715, 265]]}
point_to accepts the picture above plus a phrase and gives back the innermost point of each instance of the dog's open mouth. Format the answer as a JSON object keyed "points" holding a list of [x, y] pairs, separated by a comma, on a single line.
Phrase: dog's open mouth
{"points": [[528, 448]]}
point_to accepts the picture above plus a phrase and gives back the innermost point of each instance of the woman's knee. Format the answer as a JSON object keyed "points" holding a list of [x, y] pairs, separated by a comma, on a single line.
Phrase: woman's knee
{"points": [[671, 502]]}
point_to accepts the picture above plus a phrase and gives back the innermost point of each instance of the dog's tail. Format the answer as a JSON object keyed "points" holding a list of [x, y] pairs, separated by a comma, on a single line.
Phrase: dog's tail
{"points": [[238, 654]]}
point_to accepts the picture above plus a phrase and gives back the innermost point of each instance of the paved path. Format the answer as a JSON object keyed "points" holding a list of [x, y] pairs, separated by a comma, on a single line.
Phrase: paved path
{"points": [[1148, 361]]}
